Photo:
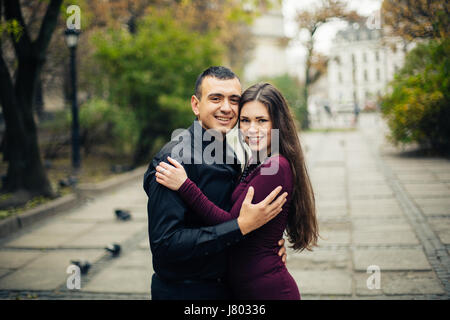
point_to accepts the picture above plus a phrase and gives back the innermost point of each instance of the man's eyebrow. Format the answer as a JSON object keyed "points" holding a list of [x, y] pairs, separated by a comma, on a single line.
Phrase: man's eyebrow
{"points": [[222, 96], [215, 95]]}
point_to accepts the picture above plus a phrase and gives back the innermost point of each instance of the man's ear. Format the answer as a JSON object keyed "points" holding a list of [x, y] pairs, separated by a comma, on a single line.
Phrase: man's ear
{"points": [[194, 104]]}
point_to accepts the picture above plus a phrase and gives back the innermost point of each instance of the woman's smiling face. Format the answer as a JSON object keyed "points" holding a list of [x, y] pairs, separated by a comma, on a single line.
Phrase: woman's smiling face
{"points": [[255, 124]]}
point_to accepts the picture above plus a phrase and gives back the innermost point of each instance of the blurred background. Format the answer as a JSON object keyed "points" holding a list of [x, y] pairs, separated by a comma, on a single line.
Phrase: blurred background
{"points": [[136, 63], [90, 90]]}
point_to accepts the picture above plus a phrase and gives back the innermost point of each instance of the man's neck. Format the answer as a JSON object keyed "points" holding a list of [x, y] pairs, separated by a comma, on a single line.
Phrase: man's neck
{"points": [[217, 134]]}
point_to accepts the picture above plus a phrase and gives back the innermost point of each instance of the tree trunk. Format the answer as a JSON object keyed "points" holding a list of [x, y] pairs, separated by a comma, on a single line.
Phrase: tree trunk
{"points": [[39, 99], [305, 121], [25, 168]]}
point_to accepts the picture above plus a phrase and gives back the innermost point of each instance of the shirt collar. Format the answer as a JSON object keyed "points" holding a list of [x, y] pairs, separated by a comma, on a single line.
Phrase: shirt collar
{"points": [[199, 132]]}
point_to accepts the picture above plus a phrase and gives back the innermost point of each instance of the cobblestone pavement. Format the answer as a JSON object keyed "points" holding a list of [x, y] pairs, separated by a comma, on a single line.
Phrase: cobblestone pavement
{"points": [[378, 209], [381, 213]]}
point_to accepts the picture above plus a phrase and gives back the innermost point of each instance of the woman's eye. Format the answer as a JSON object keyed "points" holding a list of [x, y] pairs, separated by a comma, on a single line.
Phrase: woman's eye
{"points": [[244, 120], [262, 120]]}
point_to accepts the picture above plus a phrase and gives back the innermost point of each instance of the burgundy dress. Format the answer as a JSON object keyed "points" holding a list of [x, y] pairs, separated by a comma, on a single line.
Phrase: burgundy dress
{"points": [[255, 269]]}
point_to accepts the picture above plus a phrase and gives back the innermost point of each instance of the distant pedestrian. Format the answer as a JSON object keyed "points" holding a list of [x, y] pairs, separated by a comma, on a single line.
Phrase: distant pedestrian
{"points": [[328, 111], [356, 111]]}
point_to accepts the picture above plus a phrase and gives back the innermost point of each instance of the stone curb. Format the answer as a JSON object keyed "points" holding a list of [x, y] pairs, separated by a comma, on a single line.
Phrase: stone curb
{"points": [[28, 217], [70, 201], [86, 189]]}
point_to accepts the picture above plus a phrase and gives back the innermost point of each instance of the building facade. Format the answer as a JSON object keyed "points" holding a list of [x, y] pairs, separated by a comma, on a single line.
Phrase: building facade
{"points": [[361, 65], [268, 57]]}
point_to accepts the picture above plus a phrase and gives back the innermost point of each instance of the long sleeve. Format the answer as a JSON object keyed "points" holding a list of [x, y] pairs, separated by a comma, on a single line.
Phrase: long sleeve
{"points": [[170, 239], [265, 184], [201, 205], [262, 184]]}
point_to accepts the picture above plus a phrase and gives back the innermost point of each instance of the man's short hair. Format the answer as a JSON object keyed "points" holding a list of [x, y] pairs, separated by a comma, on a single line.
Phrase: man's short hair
{"points": [[219, 72]]}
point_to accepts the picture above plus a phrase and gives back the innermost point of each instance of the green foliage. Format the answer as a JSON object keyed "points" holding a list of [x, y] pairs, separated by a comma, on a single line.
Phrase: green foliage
{"points": [[11, 27], [32, 203], [102, 122], [292, 92], [418, 108], [151, 74], [57, 134]]}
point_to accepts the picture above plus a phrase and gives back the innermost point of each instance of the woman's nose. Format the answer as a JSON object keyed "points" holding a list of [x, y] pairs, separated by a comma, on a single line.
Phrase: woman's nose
{"points": [[253, 128]]}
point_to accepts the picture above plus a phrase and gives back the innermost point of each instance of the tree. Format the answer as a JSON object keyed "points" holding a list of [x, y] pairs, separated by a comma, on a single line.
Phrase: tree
{"points": [[310, 21], [152, 74], [418, 108], [417, 19], [184, 38], [21, 149], [230, 20]]}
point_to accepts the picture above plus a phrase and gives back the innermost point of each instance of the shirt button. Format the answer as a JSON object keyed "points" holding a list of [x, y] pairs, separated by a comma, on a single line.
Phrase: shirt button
{"points": [[228, 244], [206, 253]]}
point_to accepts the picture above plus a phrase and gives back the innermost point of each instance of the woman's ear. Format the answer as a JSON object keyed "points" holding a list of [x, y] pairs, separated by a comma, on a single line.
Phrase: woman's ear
{"points": [[195, 105]]}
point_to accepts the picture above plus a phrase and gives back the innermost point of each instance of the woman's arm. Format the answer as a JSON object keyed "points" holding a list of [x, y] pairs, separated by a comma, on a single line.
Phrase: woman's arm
{"points": [[201, 205], [175, 178], [253, 215]]}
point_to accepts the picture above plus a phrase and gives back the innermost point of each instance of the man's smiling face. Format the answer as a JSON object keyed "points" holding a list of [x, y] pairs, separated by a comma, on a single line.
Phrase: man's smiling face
{"points": [[218, 107]]}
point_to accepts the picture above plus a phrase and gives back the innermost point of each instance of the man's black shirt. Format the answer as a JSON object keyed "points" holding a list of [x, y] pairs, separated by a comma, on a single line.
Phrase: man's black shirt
{"points": [[183, 248]]}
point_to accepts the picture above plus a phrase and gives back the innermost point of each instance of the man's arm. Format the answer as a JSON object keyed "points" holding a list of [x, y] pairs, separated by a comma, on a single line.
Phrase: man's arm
{"points": [[171, 240]]}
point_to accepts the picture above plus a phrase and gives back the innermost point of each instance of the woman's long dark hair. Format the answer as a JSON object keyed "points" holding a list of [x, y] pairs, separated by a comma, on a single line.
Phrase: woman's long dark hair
{"points": [[302, 227]]}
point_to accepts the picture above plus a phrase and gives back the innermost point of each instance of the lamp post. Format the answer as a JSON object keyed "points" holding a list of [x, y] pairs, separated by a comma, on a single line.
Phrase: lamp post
{"points": [[72, 41]]}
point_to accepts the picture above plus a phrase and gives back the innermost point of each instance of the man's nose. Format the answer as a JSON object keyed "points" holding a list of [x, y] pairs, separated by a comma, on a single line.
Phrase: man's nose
{"points": [[226, 106]]}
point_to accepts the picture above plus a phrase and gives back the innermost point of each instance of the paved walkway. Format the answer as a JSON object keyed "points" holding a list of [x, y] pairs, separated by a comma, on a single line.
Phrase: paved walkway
{"points": [[376, 207]]}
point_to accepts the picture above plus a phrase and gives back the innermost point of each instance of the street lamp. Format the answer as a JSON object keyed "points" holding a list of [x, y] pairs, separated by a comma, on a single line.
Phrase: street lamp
{"points": [[72, 41]]}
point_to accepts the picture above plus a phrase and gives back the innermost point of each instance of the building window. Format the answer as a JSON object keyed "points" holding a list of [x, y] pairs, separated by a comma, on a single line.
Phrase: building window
{"points": [[377, 56], [340, 77], [365, 75], [364, 57], [378, 74]]}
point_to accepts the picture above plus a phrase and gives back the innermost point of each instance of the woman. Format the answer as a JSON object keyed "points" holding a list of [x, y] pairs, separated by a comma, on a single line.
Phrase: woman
{"points": [[255, 270]]}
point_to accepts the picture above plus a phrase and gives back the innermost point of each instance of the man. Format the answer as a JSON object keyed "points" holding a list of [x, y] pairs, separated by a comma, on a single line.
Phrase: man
{"points": [[189, 258]]}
